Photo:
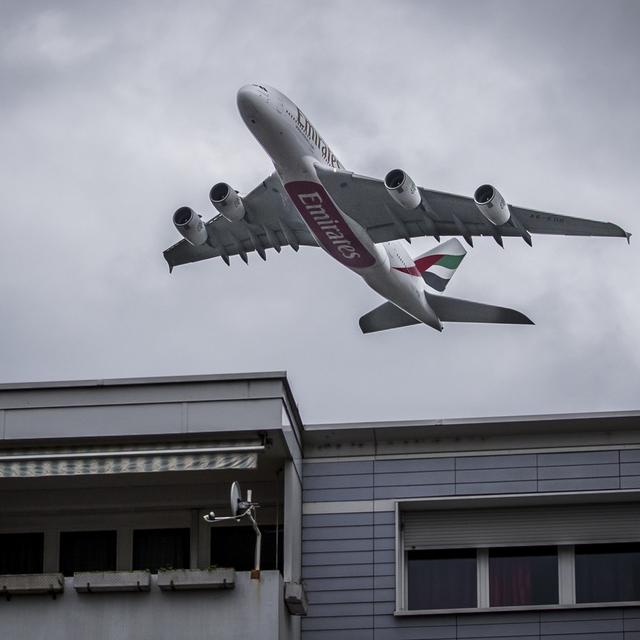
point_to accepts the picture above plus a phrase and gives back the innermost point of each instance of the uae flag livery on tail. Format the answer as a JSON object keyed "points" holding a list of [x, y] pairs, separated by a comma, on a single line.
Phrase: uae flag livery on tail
{"points": [[438, 265]]}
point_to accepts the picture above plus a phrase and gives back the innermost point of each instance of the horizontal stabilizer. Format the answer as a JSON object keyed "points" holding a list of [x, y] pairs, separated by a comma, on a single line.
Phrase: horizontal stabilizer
{"points": [[455, 310], [386, 316]]}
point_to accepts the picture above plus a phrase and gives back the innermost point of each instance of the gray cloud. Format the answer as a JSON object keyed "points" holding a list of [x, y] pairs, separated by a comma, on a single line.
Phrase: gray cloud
{"points": [[113, 115]]}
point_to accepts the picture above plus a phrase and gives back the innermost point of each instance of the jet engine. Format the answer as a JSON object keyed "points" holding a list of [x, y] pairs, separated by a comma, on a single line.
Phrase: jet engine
{"points": [[491, 204], [227, 201], [190, 226], [402, 189]]}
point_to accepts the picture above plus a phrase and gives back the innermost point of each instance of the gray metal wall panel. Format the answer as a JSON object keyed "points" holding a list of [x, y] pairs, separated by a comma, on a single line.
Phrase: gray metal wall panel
{"points": [[337, 571], [337, 581], [323, 546], [496, 462], [339, 557], [337, 533], [337, 495], [420, 491], [336, 622], [332, 634], [338, 519], [414, 478], [497, 475], [339, 584], [417, 464], [526, 486], [630, 455], [341, 597], [580, 457], [338, 482], [580, 484], [419, 633], [580, 471], [348, 467], [384, 517]]}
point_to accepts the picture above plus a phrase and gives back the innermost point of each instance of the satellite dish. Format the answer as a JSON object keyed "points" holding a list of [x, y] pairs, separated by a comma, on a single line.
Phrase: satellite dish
{"points": [[236, 498]]}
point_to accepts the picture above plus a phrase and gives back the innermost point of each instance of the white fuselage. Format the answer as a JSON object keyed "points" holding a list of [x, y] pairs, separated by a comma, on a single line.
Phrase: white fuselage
{"points": [[296, 148]]}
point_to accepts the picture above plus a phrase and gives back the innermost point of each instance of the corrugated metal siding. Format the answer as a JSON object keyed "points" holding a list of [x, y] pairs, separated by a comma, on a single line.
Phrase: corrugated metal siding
{"points": [[349, 558]]}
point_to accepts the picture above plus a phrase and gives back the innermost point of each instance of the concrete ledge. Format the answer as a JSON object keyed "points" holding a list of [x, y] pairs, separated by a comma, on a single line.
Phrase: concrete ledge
{"points": [[111, 581], [33, 583], [183, 579]]}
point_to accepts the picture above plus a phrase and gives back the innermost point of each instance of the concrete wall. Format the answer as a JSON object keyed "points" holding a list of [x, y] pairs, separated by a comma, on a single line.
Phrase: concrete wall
{"points": [[349, 541], [253, 610]]}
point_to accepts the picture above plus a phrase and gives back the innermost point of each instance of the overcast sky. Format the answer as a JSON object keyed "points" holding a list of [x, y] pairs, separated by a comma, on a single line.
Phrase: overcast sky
{"points": [[114, 114]]}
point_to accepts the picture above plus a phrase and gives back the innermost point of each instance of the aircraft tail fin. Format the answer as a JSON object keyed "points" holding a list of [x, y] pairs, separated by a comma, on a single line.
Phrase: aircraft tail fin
{"points": [[386, 316], [455, 310], [438, 265]]}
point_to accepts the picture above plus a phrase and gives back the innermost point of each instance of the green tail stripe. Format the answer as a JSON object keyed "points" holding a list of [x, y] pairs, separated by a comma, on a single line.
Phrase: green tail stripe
{"points": [[450, 262]]}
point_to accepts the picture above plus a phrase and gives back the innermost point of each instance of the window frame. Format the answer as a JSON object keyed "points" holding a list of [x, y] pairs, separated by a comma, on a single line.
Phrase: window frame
{"points": [[566, 570]]}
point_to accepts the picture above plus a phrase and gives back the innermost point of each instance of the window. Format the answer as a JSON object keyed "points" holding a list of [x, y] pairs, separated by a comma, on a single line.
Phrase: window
{"points": [[87, 551], [235, 547], [442, 579], [607, 572], [21, 552], [523, 576], [155, 549]]}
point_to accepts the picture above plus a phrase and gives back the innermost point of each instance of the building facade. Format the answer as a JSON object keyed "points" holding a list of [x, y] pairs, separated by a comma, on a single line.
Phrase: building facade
{"points": [[522, 527]]}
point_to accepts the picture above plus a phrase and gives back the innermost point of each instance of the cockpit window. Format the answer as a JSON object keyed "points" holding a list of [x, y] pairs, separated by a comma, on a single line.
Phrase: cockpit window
{"points": [[261, 87]]}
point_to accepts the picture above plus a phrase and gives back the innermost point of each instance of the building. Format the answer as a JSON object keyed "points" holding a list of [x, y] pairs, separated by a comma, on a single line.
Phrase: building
{"points": [[520, 527]]}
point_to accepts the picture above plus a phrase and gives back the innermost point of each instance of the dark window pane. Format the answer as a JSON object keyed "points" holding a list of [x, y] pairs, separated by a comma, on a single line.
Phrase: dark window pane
{"points": [[87, 551], [523, 576], [21, 552], [607, 572], [442, 579], [235, 547], [155, 549]]}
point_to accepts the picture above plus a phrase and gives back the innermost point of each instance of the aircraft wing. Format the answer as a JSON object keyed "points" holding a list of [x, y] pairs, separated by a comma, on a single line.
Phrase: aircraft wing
{"points": [[367, 201], [270, 221]]}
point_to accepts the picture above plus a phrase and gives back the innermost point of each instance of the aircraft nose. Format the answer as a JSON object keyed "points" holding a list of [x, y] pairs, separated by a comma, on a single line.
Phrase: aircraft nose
{"points": [[246, 98]]}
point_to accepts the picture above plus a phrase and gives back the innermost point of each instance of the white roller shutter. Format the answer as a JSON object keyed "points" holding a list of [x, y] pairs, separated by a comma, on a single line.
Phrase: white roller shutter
{"points": [[516, 526]]}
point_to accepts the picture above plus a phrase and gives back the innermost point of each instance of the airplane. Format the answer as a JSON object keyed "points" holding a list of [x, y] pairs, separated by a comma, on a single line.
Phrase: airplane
{"points": [[362, 222]]}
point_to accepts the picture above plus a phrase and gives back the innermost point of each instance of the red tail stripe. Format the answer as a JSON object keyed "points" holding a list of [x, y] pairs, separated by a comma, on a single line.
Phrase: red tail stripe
{"points": [[422, 264]]}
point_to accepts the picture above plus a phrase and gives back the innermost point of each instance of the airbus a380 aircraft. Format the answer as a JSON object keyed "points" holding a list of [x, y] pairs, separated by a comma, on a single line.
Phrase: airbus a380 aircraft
{"points": [[360, 222]]}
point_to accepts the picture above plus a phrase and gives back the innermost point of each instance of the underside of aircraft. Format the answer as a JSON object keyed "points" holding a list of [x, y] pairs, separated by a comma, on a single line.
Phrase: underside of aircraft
{"points": [[362, 222]]}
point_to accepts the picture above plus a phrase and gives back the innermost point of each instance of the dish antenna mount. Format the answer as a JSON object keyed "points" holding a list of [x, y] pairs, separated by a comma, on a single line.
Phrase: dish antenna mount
{"points": [[242, 509]]}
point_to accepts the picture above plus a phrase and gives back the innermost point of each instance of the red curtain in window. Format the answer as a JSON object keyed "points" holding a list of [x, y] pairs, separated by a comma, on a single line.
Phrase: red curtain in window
{"points": [[510, 582]]}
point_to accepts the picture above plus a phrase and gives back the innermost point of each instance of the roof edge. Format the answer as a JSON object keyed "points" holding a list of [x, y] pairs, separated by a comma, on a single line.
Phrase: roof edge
{"points": [[120, 382], [453, 422]]}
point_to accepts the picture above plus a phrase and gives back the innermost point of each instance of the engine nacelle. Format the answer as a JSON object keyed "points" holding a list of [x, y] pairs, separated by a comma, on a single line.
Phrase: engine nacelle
{"points": [[402, 189], [189, 224], [227, 201], [491, 204]]}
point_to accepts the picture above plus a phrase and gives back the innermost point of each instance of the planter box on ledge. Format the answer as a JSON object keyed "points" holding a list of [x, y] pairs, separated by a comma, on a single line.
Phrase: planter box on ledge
{"points": [[111, 581], [183, 579], [31, 583]]}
